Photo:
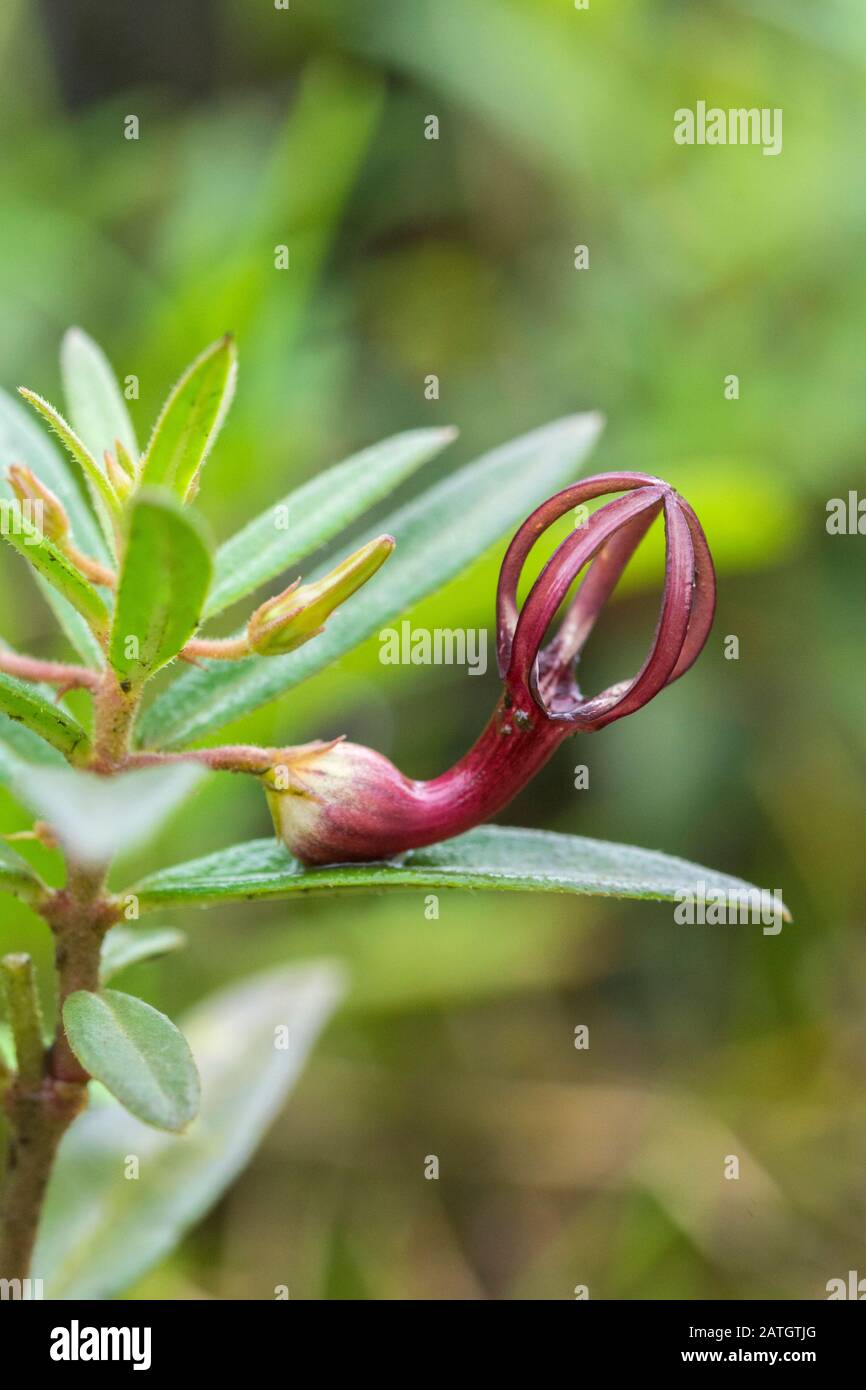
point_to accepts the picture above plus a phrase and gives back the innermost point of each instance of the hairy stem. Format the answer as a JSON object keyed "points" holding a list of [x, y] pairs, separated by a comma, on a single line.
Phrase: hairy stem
{"points": [[216, 648], [28, 668]]}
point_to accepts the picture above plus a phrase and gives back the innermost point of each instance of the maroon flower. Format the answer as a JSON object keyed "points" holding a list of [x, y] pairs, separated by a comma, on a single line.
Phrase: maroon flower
{"points": [[339, 802]]}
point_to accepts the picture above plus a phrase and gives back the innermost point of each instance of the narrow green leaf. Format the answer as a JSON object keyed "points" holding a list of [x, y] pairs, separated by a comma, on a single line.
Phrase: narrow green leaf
{"points": [[163, 582], [100, 1232], [137, 1053], [316, 512], [24, 703], [124, 946], [22, 441], [17, 878], [102, 494], [55, 567], [191, 418], [492, 856], [96, 818], [95, 402], [437, 535], [19, 746]]}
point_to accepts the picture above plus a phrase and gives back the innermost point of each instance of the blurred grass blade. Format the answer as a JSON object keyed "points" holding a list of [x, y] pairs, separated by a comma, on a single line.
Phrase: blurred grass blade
{"points": [[438, 535], [316, 512], [191, 419], [164, 578], [100, 1232], [17, 878], [491, 856], [125, 946], [95, 817], [137, 1053], [26, 705], [94, 400], [102, 494], [54, 566]]}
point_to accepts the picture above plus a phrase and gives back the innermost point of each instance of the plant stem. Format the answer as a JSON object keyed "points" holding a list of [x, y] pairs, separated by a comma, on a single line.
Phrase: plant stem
{"points": [[51, 1089], [38, 1118], [114, 710]]}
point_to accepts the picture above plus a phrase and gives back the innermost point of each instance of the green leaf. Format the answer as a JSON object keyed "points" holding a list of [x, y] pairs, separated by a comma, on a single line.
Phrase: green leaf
{"points": [[95, 402], [22, 441], [100, 1232], [492, 856], [102, 494], [96, 818], [137, 1053], [437, 535], [24, 703], [316, 512], [17, 877], [124, 946], [163, 582], [55, 567], [191, 418]]}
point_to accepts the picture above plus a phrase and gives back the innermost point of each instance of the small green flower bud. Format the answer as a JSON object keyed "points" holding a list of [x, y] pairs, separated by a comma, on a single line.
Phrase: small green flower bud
{"points": [[299, 613], [118, 477]]}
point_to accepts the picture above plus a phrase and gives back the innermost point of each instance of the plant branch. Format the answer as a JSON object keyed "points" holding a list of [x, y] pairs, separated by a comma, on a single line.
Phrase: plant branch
{"points": [[216, 649], [236, 757], [29, 668]]}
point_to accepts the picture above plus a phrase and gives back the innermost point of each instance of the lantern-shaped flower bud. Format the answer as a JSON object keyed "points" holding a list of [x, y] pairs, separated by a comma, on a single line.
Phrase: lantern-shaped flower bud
{"points": [[341, 802], [42, 506], [291, 618]]}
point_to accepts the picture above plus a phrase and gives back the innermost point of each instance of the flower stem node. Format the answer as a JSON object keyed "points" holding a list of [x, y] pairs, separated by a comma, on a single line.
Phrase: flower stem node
{"points": [[300, 612]]}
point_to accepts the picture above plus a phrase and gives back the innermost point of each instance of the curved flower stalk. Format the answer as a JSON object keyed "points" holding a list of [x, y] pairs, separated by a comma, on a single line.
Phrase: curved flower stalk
{"points": [[336, 802]]}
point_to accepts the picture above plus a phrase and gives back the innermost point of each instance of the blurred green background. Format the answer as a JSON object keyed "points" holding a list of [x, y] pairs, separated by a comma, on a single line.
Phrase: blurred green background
{"points": [[409, 257]]}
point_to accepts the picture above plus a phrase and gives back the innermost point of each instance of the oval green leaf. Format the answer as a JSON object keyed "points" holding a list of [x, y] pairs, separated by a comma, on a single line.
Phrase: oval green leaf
{"points": [[163, 582], [100, 1232], [137, 1053], [94, 817]]}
